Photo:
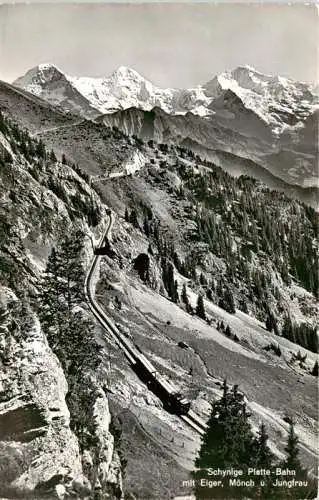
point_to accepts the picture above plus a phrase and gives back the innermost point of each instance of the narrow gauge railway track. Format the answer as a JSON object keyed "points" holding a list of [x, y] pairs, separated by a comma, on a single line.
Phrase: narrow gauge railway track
{"points": [[140, 364]]}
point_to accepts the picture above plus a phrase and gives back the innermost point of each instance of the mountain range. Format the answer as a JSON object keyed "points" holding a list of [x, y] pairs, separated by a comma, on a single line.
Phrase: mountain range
{"points": [[266, 124], [279, 102]]}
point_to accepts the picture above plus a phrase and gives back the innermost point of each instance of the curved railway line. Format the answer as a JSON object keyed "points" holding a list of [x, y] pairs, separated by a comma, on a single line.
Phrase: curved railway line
{"points": [[173, 401]]}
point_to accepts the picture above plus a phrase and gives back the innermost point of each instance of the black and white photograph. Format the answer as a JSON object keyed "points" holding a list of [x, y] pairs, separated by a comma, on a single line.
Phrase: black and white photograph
{"points": [[159, 250]]}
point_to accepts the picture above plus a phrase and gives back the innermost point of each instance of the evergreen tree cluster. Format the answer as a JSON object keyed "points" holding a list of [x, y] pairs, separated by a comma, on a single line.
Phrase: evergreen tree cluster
{"points": [[200, 308], [21, 141], [60, 292], [185, 300], [70, 334], [167, 255], [32, 149], [227, 301], [229, 443], [87, 207], [43, 163], [132, 217], [262, 222], [315, 369], [258, 233], [17, 319], [239, 270], [226, 330], [274, 348]]}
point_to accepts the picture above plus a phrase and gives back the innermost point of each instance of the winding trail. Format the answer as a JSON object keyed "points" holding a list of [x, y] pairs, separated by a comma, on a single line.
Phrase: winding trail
{"points": [[58, 128]]}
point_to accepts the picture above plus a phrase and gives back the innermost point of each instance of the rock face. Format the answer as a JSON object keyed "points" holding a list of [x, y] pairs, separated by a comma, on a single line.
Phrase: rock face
{"points": [[109, 467], [38, 449]]}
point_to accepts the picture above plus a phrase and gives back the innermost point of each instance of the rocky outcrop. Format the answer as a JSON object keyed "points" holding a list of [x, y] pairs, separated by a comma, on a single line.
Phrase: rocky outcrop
{"points": [[39, 454], [105, 466], [38, 450]]}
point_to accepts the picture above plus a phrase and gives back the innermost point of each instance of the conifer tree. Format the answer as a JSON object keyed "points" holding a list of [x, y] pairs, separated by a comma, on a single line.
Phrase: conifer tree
{"points": [[228, 331], [60, 290], [292, 463], [262, 455], [227, 442], [287, 329], [315, 369], [269, 323], [200, 308], [292, 460], [40, 149], [184, 298], [209, 294], [80, 332], [73, 273], [146, 226], [227, 301], [168, 279], [202, 279], [52, 156], [52, 309]]}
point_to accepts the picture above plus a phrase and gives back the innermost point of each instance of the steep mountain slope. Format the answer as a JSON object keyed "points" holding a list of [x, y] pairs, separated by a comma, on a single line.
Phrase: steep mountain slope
{"points": [[31, 111], [97, 149], [42, 453]]}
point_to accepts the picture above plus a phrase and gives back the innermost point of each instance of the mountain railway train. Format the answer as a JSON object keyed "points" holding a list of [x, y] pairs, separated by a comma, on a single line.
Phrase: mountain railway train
{"points": [[173, 401]]}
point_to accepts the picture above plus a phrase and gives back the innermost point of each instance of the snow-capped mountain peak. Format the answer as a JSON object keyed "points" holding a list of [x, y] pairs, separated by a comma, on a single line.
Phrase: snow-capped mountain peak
{"points": [[125, 74], [124, 88], [52, 84], [280, 102], [36, 78], [47, 67]]}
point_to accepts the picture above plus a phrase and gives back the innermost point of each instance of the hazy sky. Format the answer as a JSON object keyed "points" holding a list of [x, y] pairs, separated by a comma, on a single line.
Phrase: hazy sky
{"points": [[173, 45]]}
